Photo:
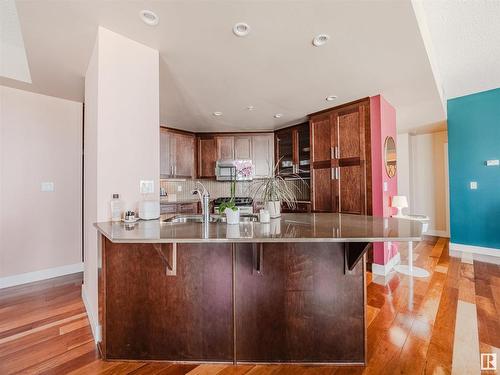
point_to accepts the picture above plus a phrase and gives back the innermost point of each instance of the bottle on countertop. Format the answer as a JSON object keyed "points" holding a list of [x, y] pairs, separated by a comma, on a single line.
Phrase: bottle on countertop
{"points": [[116, 208]]}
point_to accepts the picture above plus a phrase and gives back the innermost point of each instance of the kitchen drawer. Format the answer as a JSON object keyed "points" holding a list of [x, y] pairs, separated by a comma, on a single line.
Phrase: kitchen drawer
{"points": [[187, 208], [168, 208]]}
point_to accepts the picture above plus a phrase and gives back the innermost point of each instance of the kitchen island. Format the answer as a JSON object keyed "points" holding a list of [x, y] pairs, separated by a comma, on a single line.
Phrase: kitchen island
{"points": [[289, 291]]}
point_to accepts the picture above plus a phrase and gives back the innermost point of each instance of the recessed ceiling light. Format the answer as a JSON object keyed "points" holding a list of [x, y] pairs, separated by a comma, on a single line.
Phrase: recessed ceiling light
{"points": [[320, 39], [241, 29], [149, 18], [217, 113], [278, 115], [251, 108], [330, 98]]}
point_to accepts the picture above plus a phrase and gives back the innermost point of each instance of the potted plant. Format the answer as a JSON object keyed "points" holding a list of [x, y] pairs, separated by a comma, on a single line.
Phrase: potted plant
{"points": [[229, 208], [274, 191]]}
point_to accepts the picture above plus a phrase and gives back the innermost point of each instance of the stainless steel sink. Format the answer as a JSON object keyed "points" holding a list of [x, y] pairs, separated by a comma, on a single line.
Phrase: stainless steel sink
{"points": [[188, 219], [243, 218], [213, 219]]}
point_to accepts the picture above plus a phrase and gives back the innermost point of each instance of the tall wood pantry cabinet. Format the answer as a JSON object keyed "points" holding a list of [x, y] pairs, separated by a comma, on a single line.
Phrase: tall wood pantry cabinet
{"points": [[341, 159]]}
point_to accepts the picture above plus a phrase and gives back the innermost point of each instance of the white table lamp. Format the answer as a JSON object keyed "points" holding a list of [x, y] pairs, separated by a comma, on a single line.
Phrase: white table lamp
{"points": [[399, 202]]}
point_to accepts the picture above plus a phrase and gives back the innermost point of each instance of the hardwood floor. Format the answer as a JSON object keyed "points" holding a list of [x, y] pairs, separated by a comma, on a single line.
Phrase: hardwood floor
{"points": [[437, 325]]}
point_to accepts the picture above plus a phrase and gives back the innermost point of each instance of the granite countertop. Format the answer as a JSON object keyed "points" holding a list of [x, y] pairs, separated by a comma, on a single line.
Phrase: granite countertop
{"points": [[293, 227]]}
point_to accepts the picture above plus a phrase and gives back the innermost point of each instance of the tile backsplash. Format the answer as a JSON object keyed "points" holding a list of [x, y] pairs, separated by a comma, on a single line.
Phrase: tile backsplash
{"points": [[222, 188]]}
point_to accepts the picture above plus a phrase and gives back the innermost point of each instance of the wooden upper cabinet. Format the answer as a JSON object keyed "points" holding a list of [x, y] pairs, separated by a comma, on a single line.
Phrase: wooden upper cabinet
{"points": [[185, 166], [243, 147], [166, 162], [322, 134], [207, 156], [225, 147], [340, 144], [354, 159], [263, 155], [177, 154], [293, 150]]}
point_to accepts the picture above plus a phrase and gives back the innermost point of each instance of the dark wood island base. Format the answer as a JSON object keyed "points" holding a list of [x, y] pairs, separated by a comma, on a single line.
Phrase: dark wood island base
{"points": [[269, 302]]}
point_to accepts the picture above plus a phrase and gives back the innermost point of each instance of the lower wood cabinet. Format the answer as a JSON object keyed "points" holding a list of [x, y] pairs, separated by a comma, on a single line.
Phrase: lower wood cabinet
{"points": [[151, 315], [232, 302], [294, 303]]}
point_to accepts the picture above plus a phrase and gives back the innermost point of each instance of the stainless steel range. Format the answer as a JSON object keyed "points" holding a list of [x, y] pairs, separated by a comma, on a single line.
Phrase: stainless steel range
{"points": [[245, 204]]}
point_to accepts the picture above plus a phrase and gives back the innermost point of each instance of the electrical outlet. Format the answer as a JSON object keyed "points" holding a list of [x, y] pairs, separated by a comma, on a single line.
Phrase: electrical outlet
{"points": [[473, 185], [179, 188], [147, 187], [47, 186]]}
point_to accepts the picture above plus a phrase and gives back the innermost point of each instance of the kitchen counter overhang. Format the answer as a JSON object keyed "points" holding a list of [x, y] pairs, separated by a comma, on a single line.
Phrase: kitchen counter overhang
{"points": [[291, 291], [300, 227]]}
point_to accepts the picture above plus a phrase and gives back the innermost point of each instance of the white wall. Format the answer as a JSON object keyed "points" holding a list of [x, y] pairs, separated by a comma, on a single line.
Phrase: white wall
{"points": [[121, 136], [41, 141], [403, 166], [423, 177]]}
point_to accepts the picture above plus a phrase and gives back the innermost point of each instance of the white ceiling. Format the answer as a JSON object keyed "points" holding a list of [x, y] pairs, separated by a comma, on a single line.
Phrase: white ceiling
{"points": [[465, 38], [13, 62], [375, 47]]}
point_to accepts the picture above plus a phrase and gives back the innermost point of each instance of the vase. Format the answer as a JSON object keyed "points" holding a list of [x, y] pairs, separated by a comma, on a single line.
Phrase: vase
{"points": [[232, 217], [274, 208]]}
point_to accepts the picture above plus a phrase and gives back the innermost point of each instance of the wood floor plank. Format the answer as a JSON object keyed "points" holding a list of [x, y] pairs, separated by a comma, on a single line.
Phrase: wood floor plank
{"points": [[207, 369], [35, 354], [236, 370], [412, 325], [95, 367]]}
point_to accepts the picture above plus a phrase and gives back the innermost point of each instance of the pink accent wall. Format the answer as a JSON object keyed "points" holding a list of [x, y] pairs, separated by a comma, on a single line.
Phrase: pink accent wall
{"points": [[383, 125]]}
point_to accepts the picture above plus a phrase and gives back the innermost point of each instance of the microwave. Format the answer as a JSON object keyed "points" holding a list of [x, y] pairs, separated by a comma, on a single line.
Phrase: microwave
{"points": [[241, 170]]}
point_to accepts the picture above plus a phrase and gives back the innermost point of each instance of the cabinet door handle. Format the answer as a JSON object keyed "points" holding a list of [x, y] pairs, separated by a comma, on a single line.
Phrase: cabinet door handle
{"points": [[337, 152], [175, 170], [258, 257], [332, 153], [337, 173], [333, 173]]}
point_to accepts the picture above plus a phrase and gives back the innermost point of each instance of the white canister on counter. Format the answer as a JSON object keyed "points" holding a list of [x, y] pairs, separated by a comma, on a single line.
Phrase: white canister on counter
{"points": [[116, 208], [264, 216], [232, 217]]}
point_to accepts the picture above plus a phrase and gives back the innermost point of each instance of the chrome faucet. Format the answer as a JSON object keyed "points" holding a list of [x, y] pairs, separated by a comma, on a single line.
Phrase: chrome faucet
{"points": [[204, 199]]}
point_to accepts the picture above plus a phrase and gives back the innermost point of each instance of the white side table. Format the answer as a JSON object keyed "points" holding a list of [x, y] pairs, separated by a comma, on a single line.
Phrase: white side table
{"points": [[410, 269]]}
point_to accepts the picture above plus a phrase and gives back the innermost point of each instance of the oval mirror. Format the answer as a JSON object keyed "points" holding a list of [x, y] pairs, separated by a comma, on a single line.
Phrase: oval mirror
{"points": [[390, 156]]}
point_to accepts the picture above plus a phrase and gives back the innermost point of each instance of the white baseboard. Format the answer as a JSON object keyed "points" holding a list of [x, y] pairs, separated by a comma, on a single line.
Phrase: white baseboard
{"points": [[49, 273], [457, 247], [94, 323], [384, 269], [437, 233]]}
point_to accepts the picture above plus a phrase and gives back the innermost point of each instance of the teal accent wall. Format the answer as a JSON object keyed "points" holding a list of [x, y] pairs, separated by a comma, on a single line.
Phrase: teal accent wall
{"points": [[473, 138]]}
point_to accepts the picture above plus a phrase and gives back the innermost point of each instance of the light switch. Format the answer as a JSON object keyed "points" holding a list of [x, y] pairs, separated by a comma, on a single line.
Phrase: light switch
{"points": [[492, 163], [473, 185], [385, 186], [47, 186], [147, 187]]}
